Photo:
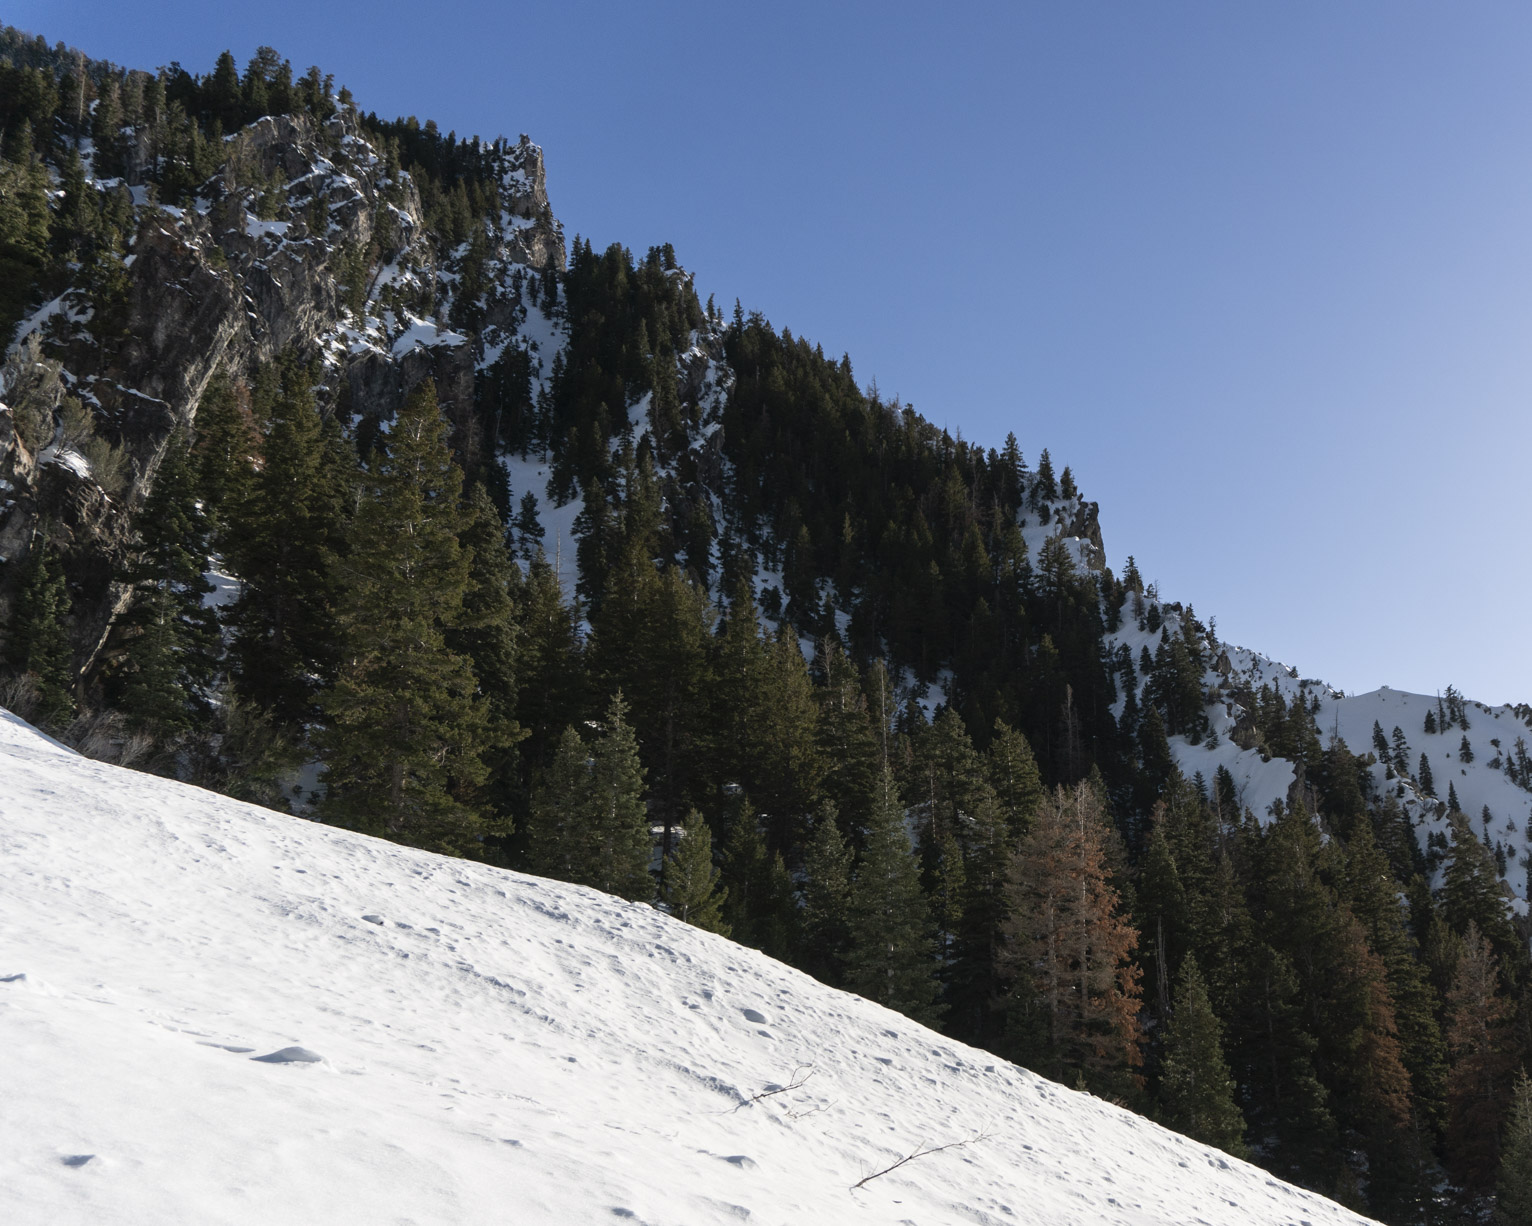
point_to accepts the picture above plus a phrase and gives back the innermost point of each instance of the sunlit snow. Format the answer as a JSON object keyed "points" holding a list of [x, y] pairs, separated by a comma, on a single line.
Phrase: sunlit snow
{"points": [[216, 1013]]}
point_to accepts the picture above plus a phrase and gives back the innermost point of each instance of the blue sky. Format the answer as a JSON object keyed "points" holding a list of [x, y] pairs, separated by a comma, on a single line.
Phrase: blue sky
{"points": [[1261, 275]]}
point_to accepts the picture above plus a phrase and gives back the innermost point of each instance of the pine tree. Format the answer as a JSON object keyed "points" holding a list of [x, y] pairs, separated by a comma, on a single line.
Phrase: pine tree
{"points": [[1513, 1191], [405, 723], [1372, 894], [1479, 1084], [1380, 743], [651, 641], [846, 738], [171, 639], [1427, 784], [529, 528], [620, 820], [1044, 488], [690, 890], [1162, 909], [890, 958], [826, 893], [37, 643], [485, 634], [226, 447], [1013, 774], [1288, 1106], [284, 536], [556, 832], [1470, 893], [1196, 1089], [1067, 938], [760, 908]]}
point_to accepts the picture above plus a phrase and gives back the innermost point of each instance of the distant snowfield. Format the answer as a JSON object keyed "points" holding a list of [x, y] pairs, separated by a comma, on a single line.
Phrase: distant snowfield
{"points": [[491, 1048]]}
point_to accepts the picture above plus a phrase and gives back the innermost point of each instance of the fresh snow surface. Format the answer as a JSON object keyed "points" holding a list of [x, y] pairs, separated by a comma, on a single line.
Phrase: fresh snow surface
{"points": [[214, 1013]]}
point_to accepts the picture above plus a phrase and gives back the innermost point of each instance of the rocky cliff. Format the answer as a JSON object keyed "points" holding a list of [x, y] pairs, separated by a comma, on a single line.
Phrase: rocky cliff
{"points": [[304, 240]]}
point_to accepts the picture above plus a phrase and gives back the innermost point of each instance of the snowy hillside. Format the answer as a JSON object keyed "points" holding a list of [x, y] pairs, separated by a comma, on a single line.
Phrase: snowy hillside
{"points": [[490, 1047], [1477, 754]]}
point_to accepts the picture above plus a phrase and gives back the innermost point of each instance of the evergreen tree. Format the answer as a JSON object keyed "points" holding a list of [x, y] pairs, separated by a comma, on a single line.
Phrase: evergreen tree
{"points": [[690, 889], [1015, 779], [551, 679], [760, 908], [1288, 1106], [37, 643], [1372, 894], [226, 448], [846, 739], [1380, 743], [1427, 784], [620, 820], [485, 634], [1067, 939], [651, 641], [285, 536], [1479, 1084], [1470, 893], [1044, 488], [890, 958], [826, 893], [1513, 1191], [1162, 907], [557, 833], [762, 713], [529, 528], [171, 650], [405, 723], [1196, 1089]]}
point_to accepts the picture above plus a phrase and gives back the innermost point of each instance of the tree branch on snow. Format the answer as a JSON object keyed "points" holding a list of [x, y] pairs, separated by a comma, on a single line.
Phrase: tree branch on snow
{"points": [[920, 1151], [800, 1075]]}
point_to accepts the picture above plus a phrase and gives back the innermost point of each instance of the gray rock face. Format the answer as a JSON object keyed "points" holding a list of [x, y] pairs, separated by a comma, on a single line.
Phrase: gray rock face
{"points": [[302, 241]]}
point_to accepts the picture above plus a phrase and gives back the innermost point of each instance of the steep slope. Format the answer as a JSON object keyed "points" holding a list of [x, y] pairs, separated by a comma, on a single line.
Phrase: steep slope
{"points": [[1491, 780], [491, 1047]]}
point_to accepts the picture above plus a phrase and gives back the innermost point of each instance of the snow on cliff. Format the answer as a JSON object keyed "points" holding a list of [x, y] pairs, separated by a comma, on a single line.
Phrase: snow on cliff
{"points": [[214, 1013]]}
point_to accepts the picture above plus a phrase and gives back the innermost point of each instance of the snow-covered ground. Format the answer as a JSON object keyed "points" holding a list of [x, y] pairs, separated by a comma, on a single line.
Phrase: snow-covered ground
{"points": [[1487, 788], [491, 1048]]}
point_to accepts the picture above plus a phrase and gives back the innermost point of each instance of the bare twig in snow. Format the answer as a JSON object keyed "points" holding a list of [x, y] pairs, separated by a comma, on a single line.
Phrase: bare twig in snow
{"points": [[800, 1074], [921, 1151]]}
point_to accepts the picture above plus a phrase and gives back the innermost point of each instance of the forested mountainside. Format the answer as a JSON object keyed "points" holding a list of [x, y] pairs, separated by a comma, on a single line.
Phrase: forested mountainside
{"points": [[334, 480]]}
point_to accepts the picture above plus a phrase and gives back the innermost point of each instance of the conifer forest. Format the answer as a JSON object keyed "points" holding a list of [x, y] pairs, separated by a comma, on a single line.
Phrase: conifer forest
{"points": [[336, 481]]}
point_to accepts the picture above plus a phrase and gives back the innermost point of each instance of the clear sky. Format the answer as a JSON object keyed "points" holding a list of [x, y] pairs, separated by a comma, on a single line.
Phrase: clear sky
{"points": [[1260, 274]]}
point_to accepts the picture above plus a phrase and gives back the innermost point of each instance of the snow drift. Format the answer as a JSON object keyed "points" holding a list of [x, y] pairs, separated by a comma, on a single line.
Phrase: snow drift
{"points": [[215, 1013]]}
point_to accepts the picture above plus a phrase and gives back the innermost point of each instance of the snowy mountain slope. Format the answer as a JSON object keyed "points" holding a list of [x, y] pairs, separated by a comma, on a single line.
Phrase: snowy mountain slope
{"points": [[493, 1047], [1493, 778]]}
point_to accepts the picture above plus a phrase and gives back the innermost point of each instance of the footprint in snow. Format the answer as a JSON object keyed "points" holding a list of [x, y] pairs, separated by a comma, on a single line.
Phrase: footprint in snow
{"points": [[290, 1055], [755, 1015], [76, 1159]]}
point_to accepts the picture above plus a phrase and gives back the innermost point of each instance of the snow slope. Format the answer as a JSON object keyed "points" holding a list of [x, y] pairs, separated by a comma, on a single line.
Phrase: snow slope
{"points": [[492, 1048]]}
